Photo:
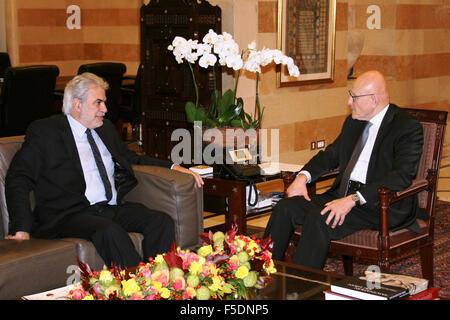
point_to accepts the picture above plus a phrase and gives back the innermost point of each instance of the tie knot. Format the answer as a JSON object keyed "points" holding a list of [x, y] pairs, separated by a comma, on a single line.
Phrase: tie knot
{"points": [[89, 135]]}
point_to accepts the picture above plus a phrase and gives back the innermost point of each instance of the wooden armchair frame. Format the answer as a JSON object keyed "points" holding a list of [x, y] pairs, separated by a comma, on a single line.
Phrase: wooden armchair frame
{"points": [[383, 246]]}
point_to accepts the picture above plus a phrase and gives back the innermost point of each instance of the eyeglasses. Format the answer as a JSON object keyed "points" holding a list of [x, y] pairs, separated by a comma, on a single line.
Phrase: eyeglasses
{"points": [[356, 97]]}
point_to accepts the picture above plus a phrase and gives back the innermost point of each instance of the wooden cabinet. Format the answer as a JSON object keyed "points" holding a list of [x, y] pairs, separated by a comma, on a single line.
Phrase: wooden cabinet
{"points": [[166, 86]]}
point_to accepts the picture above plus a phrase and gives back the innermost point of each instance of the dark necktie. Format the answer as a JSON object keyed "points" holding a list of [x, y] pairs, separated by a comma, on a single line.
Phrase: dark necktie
{"points": [[100, 165], [343, 188]]}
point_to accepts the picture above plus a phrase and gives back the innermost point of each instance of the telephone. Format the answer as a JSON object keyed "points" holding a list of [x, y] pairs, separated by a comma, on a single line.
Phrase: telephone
{"points": [[238, 168]]}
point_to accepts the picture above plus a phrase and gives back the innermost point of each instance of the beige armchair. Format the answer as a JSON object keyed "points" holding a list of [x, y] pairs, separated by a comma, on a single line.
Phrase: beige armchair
{"points": [[38, 265]]}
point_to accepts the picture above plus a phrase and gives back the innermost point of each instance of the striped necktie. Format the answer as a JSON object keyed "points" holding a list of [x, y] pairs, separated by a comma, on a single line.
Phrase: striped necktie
{"points": [[343, 188], [100, 165]]}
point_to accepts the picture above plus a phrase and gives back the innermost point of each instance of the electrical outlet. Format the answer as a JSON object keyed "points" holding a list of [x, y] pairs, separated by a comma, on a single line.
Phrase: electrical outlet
{"points": [[320, 144], [313, 145]]}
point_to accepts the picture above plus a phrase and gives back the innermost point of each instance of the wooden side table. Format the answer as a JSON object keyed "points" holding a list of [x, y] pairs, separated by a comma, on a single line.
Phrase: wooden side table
{"points": [[234, 190]]}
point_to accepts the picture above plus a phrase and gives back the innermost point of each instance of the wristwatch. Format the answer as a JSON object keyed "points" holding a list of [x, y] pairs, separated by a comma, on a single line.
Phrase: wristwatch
{"points": [[356, 198]]}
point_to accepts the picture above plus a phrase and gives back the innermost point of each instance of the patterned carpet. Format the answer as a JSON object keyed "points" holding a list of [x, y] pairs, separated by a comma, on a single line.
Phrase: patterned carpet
{"points": [[411, 265]]}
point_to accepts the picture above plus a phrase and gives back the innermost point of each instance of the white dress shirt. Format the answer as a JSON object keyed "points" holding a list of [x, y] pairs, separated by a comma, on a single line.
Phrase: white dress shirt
{"points": [[95, 190], [359, 172]]}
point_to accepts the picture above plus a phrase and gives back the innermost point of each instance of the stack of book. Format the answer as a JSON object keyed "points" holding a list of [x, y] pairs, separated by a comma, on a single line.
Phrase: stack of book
{"points": [[203, 170], [381, 286]]}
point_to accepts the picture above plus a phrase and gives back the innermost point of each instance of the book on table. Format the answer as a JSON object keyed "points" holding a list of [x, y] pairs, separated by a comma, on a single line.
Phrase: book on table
{"points": [[202, 170], [431, 293], [336, 296], [379, 286], [54, 294]]}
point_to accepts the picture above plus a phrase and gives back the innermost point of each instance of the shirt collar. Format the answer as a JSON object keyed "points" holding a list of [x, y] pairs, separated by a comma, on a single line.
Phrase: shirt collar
{"points": [[378, 118], [77, 128]]}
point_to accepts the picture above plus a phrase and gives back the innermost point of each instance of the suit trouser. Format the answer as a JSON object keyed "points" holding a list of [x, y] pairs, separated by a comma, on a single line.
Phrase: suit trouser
{"points": [[316, 235], [108, 226]]}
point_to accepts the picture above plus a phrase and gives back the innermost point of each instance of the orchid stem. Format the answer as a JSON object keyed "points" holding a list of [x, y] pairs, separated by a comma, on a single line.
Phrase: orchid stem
{"points": [[215, 90], [238, 72], [257, 107], [195, 85]]}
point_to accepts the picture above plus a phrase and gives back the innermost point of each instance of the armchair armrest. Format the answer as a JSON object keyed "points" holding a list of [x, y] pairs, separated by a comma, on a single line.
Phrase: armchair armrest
{"points": [[415, 187], [387, 197], [175, 194], [329, 175]]}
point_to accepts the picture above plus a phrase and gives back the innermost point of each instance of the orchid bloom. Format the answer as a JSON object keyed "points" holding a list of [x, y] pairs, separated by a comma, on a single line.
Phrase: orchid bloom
{"points": [[207, 60]]}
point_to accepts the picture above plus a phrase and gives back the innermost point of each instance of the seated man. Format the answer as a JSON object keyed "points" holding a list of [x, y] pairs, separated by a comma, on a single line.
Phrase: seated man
{"points": [[379, 146], [80, 170]]}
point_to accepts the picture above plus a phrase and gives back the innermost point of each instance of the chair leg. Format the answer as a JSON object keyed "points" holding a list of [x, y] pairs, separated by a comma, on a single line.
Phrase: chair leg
{"points": [[348, 265], [385, 265], [426, 259]]}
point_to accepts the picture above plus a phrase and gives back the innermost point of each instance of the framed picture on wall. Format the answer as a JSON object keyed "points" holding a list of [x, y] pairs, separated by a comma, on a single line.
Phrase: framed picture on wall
{"points": [[306, 33]]}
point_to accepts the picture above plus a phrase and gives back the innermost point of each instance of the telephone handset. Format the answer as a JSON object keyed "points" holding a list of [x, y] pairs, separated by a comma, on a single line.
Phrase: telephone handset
{"points": [[238, 169], [241, 171]]}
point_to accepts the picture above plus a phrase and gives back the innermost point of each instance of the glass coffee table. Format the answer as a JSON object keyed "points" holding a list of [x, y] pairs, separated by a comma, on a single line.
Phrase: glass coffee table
{"points": [[290, 282], [294, 282]]}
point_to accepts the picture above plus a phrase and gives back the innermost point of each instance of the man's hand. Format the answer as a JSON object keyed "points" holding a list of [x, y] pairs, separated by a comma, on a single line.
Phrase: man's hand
{"points": [[20, 235], [197, 177], [298, 187], [338, 208]]}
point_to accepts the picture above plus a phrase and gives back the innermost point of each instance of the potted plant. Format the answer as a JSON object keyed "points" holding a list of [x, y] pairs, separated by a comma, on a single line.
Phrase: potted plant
{"points": [[226, 110]]}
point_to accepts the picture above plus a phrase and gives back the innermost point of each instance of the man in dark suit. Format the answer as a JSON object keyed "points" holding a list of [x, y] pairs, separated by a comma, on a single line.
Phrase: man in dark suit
{"points": [[379, 146], [80, 170]]}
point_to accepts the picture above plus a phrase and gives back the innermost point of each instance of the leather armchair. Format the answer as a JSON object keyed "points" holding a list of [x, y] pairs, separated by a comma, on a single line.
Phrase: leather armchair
{"points": [[38, 265]]}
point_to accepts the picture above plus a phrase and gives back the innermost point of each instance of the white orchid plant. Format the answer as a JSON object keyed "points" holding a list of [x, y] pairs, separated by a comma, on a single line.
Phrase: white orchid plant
{"points": [[226, 109]]}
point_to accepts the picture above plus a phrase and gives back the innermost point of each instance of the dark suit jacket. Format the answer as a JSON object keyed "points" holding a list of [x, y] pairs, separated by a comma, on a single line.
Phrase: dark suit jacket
{"points": [[48, 164], [393, 164]]}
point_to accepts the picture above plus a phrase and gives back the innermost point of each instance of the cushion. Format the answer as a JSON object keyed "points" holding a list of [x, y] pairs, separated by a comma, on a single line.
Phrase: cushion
{"points": [[33, 266], [369, 238]]}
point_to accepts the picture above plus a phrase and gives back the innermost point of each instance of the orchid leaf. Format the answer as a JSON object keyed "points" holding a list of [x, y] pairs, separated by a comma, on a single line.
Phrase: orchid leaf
{"points": [[230, 114], [200, 115], [190, 111], [237, 123], [249, 117], [226, 102], [216, 96]]}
